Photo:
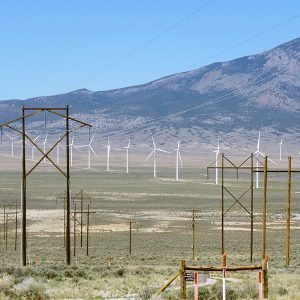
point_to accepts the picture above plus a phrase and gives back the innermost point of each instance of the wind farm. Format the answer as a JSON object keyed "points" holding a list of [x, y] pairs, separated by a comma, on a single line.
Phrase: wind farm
{"points": [[150, 152]]}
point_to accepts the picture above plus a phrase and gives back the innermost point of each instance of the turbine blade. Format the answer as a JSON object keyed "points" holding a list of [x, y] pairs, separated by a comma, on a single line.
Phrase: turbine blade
{"points": [[163, 150], [150, 154], [153, 141], [93, 151], [180, 158]]}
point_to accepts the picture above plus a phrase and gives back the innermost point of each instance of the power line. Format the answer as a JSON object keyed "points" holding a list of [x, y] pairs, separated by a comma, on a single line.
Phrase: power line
{"points": [[139, 48], [242, 42], [210, 102]]}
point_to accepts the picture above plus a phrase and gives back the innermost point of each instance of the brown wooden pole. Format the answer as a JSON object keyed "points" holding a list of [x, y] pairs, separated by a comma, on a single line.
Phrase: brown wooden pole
{"points": [[4, 231], [74, 225], [87, 230], [251, 211], [222, 187], [16, 227], [264, 216], [193, 229], [130, 236], [182, 280], [68, 229], [24, 236], [265, 278], [81, 216], [65, 220], [288, 216]]}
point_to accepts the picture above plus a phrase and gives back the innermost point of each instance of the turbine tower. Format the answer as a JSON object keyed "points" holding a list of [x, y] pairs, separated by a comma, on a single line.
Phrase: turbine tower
{"points": [[45, 144], [12, 144], [108, 153], [280, 145], [217, 151], [178, 159], [154, 156], [33, 148], [90, 149], [71, 150], [127, 156], [258, 153]]}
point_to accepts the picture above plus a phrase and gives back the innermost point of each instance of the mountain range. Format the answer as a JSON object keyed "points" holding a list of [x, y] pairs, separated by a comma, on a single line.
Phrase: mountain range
{"points": [[231, 100]]}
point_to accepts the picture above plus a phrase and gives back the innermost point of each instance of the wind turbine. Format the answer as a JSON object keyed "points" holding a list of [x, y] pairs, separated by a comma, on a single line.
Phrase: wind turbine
{"points": [[217, 151], [12, 144], [257, 152], [280, 145], [71, 150], [45, 144], [153, 152], [89, 146], [108, 153], [127, 156], [178, 159], [33, 148]]}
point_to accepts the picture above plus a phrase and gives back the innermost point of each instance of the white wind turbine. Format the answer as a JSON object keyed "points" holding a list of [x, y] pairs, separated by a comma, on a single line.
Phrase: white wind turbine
{"points": [[178, 159], [45, 144], [280, 145], [90, 149], [71, 150], [154, 156], [33, 148], [108, 153], [217, 151], [127, 156], [12, 143], [257, 152]]}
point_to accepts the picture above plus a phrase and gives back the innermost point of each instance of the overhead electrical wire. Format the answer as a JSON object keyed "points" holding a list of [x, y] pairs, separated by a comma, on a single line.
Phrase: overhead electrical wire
{"points": [[141, 47]]}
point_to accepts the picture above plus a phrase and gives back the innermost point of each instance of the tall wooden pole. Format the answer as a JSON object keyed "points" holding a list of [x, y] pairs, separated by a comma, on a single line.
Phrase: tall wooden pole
{"points": [[130, 225], [222, 186], [68, 235], [193, 229], [288, 216], [24, 237], [74, 225], [16, 227], [87, 230], [264, 216], [251, 237], [81, 216], [65, 220], [4, 232]]}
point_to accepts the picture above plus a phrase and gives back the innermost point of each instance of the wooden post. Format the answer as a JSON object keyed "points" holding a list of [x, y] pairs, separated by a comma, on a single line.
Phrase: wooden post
{"points": [[196, 285], [222, 186], [260, 285], [87, 230], [251, 211], [182, 280], [193, 228], [224, 263], [81, 216], [65, 220], [264, 216], [6, 231], [288, 216], [265, 277], [74, 224]]}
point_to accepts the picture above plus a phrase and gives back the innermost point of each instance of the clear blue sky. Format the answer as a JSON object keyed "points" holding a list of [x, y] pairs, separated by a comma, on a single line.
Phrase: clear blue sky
{"points": [[49, 47]]}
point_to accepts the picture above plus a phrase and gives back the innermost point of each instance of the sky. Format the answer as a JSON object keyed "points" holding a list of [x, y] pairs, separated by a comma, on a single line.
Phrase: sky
{"points": [[53, 47]]}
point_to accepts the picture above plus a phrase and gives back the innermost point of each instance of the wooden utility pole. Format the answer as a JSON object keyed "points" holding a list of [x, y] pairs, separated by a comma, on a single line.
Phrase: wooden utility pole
{"points": [[222, 187], [16, 227], [130, 236], [68, 236], [81, 216], [288, 216], [87, 229], [74, 225], [24, 235], [251, 211], [193, 233], [264, 216], [265, 277], [4, 209], [182, 280]]}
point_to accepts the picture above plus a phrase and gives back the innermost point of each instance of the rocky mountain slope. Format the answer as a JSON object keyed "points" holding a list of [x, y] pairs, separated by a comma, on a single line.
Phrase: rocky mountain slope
{"points": [[233, 99]]}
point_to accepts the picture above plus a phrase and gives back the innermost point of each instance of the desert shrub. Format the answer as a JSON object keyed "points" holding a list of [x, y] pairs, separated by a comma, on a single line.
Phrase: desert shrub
{"points": [[120, 272], [29, 288], [69, 273], [147, 293], [81, 273], [6, 284], [282, 291], [50, 274]]}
